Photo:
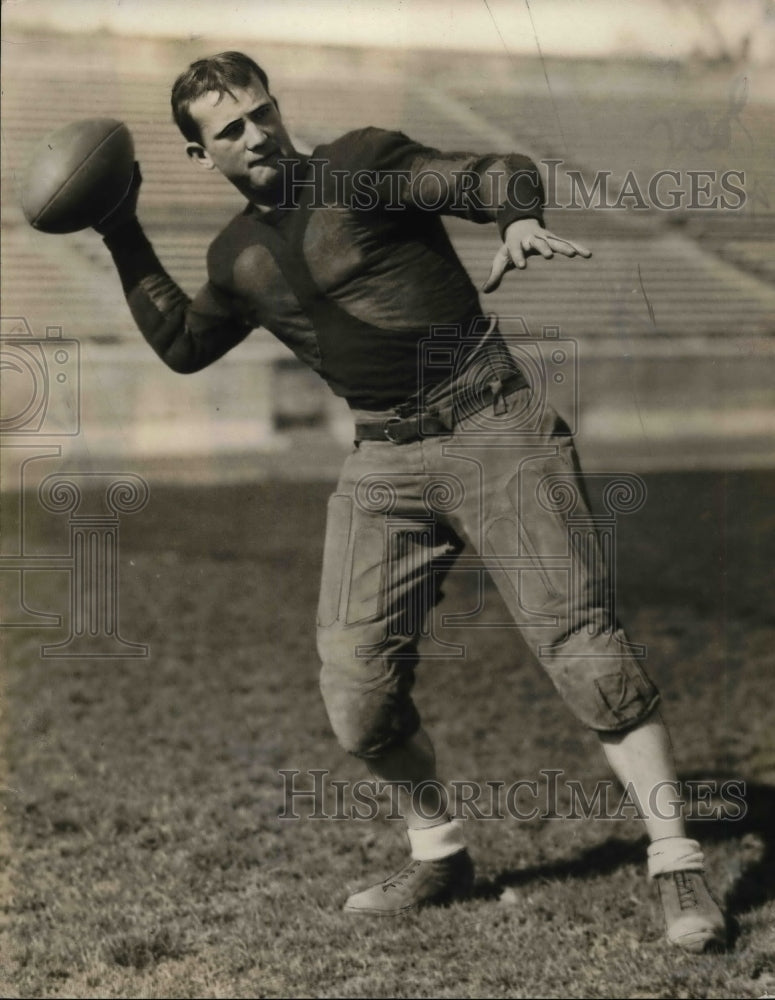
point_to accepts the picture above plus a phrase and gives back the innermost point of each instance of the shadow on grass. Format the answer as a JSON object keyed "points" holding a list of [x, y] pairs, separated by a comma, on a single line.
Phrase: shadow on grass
{"points": [[750, 881], [599, 860]]}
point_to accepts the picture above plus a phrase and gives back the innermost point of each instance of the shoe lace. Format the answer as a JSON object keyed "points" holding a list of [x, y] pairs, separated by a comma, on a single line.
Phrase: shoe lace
{"points": [[394, 881], [687, 898]]}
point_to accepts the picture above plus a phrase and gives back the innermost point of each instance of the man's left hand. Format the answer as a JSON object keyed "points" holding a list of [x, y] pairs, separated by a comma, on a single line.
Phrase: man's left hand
{"points": [[525, 238]]}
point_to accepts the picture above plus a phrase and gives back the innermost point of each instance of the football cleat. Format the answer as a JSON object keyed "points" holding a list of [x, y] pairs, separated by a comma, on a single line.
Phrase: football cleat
{"points": [[693, 919], [419, 883]]}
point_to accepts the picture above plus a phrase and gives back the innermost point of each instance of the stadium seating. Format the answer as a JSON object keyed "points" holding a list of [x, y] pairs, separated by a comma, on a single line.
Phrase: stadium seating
{"points": [[670, 299]]}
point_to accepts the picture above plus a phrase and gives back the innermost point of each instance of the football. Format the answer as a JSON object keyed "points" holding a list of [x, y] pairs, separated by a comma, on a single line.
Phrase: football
{"points": [[77, 175]]}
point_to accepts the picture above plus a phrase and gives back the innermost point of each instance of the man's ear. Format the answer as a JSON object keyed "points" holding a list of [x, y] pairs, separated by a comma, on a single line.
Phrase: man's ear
{"points": [[199, 155]]}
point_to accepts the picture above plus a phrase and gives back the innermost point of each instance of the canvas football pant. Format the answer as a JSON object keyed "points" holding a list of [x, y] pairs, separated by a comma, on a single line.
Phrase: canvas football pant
{"points": [[510, 490]]}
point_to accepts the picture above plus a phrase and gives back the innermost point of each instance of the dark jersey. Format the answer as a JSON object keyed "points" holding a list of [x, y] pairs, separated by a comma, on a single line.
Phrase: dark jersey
{"points": [[352, 271]]}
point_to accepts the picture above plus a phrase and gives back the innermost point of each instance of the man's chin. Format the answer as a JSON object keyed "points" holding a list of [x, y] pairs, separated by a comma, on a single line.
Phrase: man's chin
{"points": [[263, 173], [262, 181]]}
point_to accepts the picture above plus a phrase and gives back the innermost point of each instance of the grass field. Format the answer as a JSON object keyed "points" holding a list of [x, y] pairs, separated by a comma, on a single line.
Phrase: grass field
{"points": [[144, 855]]}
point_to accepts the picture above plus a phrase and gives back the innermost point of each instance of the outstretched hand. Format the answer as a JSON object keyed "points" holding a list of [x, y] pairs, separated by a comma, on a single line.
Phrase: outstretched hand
{"points": [[126, 208], [525, 238]]}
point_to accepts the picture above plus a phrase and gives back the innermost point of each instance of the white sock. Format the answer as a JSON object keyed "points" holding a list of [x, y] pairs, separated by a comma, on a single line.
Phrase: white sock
{"points": [[674, 854], [434, 842]]}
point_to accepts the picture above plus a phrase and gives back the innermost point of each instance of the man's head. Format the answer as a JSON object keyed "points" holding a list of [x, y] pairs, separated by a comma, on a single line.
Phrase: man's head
{"points": [[231, 122]]}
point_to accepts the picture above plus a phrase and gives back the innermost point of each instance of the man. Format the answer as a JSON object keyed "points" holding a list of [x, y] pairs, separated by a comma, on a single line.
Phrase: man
{"points": [[344, 257]]}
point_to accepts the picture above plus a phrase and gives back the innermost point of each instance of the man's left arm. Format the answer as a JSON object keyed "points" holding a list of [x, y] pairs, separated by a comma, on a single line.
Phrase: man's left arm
{"points": [[513, 183], [506, 190]]}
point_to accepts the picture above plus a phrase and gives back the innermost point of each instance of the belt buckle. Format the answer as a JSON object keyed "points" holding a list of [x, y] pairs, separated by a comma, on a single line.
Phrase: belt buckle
{"points": [[391, 422]]}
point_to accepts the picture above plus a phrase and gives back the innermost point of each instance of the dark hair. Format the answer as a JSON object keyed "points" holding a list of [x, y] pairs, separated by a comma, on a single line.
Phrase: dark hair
{"points": [[219, 73]]}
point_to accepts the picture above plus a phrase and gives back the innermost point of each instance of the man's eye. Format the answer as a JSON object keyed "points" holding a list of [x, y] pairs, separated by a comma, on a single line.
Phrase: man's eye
{"points": [[232, 132]]}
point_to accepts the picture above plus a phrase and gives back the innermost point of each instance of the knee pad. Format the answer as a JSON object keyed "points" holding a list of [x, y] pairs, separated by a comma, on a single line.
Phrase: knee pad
{"points": [[606, 695], [368, 702]]}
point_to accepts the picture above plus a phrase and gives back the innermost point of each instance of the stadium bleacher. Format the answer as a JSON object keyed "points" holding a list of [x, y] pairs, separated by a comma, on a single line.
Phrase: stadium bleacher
{"points": [[674, 315]]}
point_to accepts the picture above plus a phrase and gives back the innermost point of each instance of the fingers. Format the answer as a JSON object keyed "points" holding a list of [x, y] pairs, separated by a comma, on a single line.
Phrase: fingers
{"points": [[540, 244], [125, 209], [547, 244], [502, 263], [514, 253], [565, 247], [517, 252]]}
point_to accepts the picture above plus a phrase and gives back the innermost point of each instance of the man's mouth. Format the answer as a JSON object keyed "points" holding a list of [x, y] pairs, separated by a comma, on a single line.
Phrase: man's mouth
{"points": [[259, 161]]}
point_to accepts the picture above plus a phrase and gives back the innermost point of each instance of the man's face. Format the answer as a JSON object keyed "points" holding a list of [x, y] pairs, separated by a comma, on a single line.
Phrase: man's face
{"points": [[243, 136]]}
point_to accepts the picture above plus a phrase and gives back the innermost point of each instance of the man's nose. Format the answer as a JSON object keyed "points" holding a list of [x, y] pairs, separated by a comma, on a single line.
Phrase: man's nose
{"points": [[255, 136]]}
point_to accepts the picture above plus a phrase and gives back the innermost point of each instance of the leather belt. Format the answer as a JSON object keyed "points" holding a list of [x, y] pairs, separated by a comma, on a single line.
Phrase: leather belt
{"points": [[433, 421]]}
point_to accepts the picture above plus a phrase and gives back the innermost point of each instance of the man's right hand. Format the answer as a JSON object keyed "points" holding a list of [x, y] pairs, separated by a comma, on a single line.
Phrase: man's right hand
{"points": [[126, 208]]}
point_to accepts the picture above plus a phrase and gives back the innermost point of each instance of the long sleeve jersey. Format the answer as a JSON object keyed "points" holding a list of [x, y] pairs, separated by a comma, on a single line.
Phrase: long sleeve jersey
{"points": [[352, 271]]}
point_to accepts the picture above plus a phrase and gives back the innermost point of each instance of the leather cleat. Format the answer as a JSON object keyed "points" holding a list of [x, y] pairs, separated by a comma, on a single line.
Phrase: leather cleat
{"points": [[693, 919], [419, 883]]}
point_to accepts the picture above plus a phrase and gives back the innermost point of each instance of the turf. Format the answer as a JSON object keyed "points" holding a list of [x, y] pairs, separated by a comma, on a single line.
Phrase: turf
{"points": [[144, 855]]}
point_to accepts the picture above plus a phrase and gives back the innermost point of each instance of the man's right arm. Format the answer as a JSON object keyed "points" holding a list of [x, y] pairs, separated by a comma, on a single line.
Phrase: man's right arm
{"points": [[187, 335]]}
